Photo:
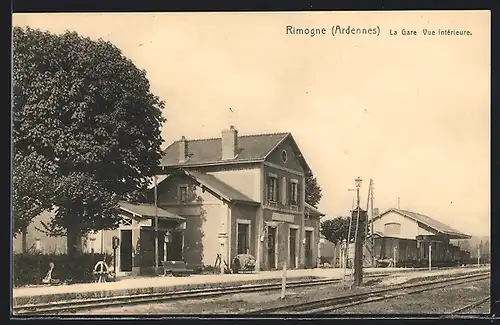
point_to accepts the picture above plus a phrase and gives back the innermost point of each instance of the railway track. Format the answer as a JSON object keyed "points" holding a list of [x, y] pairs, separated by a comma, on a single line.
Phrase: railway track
{"points": [[470, 306], [75, 305], [329, 304]]}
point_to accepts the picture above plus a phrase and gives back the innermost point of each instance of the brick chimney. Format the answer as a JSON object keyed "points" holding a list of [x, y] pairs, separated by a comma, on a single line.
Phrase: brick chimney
{"points": [[183, 150], [229, 143]]}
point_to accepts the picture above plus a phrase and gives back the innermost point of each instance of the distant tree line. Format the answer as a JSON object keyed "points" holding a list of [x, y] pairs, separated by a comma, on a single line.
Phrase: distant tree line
{"points": [[483, 246]]}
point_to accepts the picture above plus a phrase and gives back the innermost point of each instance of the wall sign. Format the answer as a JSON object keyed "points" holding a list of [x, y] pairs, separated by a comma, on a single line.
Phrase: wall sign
{"points": [[222, 235], [276, 216]]}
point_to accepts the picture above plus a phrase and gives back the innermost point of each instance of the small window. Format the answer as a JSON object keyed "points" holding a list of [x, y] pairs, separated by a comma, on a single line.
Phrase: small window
{"points": [[284, 156], [294, 197], [183, 193]]}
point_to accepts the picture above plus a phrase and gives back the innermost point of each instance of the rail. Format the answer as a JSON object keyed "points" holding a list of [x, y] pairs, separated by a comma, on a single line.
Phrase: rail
{"points": [[92, 303], [471, 305], [329, 304], [74, 305]]}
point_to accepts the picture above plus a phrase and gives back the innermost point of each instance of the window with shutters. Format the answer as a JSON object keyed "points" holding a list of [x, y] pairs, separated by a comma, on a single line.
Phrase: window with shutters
{"points": [[294, 193], [272, 188], [392, 229]]}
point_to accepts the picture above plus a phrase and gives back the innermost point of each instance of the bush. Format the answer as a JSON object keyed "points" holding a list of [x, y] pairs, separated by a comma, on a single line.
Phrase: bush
{"points": [[31, 268]]}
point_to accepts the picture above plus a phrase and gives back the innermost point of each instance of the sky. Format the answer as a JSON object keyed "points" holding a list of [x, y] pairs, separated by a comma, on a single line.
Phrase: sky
{"points": [[411, 112]]}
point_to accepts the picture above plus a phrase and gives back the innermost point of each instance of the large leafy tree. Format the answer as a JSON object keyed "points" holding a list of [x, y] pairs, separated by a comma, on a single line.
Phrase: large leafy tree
{"points": [[313, 190], [33, 183], [86, 111], [335, 230]]}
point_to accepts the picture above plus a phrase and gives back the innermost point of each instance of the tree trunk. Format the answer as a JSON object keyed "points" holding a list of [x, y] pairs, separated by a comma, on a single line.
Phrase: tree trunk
{"points": [[334, 262], [24, 243], [74, 245], [74, 241]]}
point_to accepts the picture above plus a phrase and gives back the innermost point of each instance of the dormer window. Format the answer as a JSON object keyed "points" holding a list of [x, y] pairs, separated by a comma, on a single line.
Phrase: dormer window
{"points": [[183, 193], [284, 156]]}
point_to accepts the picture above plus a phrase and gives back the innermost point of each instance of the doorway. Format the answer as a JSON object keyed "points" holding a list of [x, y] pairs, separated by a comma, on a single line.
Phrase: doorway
{"points": [[174, 248], [293, 248], [271, 247], [242, 241], [126, 250], [308, 249]]}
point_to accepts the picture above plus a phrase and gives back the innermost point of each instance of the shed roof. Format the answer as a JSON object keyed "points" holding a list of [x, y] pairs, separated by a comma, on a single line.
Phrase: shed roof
{"points": [[148, 211], [430, 222], [223, 189]]}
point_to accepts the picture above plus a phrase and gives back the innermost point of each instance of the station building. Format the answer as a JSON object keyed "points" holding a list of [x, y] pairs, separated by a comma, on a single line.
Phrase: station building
{"points": [[221, 197], [405, 235], [241, 195]]}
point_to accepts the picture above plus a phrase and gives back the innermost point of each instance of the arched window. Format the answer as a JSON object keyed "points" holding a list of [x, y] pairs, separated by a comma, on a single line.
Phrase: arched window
{"points": [[392, 228]]}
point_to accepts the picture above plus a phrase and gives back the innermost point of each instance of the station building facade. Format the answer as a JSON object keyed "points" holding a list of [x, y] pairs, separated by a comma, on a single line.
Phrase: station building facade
{"points": [[241, 195]]}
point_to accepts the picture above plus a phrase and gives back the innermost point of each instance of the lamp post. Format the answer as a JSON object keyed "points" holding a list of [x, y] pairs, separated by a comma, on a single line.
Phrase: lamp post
{"points": [[358, 182], [37, 250], [320, 244], [358, 237]]}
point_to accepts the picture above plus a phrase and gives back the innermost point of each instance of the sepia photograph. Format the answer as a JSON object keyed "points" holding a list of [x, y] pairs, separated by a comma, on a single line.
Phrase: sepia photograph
{"points": [[251, 163]]}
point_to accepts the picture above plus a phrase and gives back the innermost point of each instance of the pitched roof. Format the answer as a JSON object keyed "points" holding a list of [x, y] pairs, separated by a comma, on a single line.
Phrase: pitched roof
{"points": [[430, 222], [313, 210], [217, 186], [226, 191], [251, 148], [148, 210], [159, 179]]}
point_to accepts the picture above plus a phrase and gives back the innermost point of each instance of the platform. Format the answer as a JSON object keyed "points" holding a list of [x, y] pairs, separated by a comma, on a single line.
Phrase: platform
{"points": [[149, 285]]}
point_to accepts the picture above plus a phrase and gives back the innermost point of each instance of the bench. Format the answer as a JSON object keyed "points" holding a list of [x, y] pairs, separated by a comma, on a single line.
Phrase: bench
{"points": [[176, 268]]}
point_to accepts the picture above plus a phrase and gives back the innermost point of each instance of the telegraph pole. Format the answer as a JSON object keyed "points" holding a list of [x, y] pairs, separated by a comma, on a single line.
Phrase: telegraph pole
{"points": [[369, 201], [369, 221], [358, 185], [358, 237]]}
